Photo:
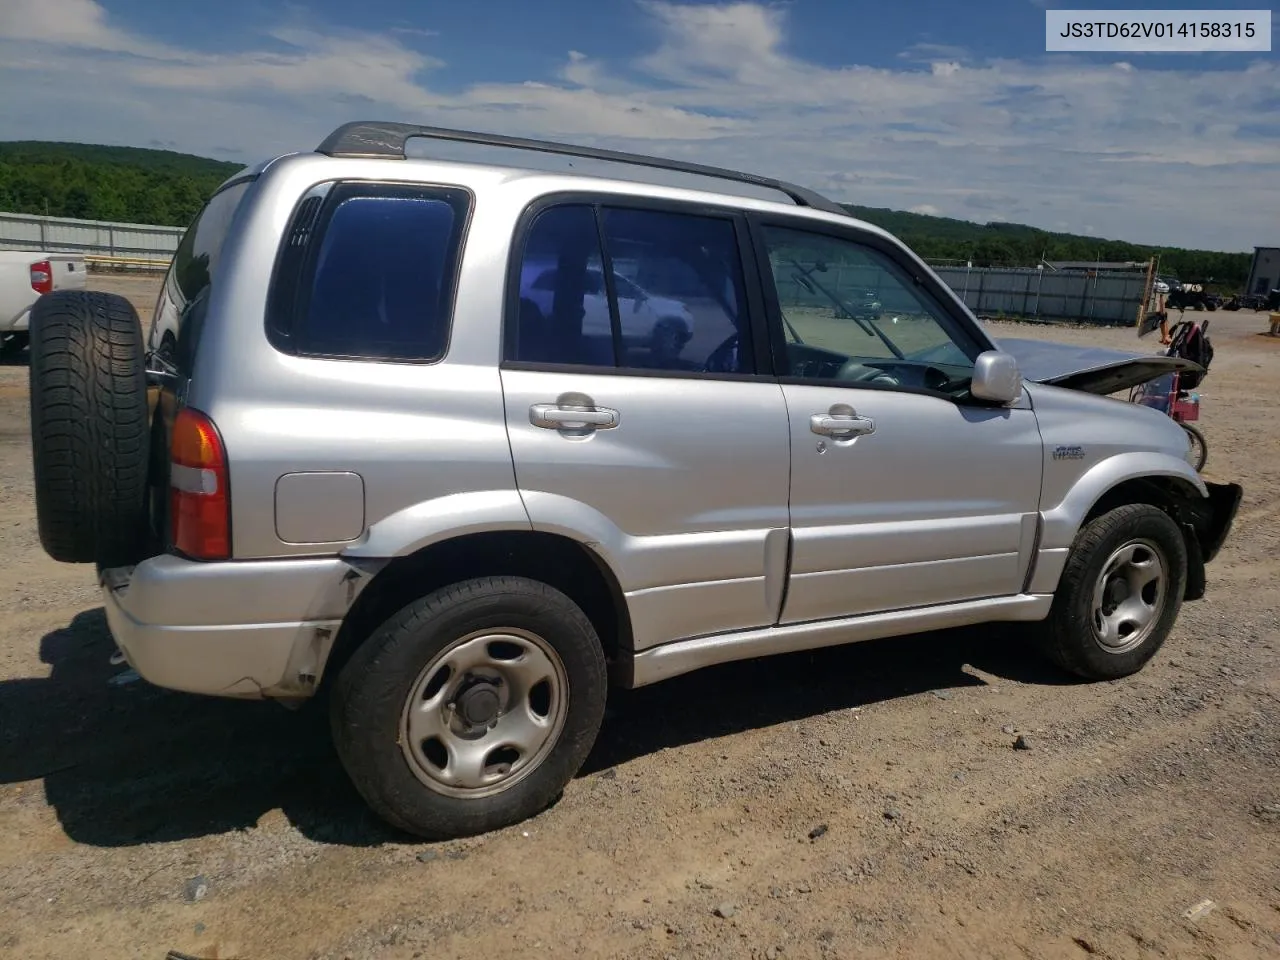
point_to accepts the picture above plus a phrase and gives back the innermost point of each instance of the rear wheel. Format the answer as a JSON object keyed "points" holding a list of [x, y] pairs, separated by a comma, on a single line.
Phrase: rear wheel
{"points": [[1119, 595], [89, 427], [472, 708]]}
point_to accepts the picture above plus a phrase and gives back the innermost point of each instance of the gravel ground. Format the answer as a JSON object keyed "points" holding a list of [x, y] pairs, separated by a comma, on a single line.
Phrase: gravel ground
{"points": [[871, 800]]}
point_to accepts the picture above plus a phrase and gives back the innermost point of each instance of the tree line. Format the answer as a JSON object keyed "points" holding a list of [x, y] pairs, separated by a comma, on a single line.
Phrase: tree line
{"points": [[92, 182], [1017, 245], [162, 187]]}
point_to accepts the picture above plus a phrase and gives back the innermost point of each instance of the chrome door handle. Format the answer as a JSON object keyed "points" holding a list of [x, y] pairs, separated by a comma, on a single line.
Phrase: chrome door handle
{"points": [[554, 417], [841, 426]]}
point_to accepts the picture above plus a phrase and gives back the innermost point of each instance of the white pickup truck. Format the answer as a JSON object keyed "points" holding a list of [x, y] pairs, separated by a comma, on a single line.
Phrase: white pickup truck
{"points": [[24, 275]]}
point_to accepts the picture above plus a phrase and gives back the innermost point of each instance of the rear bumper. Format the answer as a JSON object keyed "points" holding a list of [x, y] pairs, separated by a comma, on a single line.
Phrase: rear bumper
{"points": [[253, 629]]}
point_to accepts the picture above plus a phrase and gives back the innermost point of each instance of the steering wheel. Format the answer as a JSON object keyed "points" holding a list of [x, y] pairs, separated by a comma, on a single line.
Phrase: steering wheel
{"points": [[854, 372], [936, 379]]}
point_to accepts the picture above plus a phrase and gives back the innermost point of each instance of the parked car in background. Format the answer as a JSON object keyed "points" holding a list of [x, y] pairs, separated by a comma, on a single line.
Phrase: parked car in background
{"points": [[1190, 296], [661, 325], [24, 275]]}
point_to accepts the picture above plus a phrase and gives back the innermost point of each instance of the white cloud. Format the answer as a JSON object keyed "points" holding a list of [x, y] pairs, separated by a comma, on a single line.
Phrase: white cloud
{"points": [[76, 24], [928, 209], [1053, 140], [929, 52]]}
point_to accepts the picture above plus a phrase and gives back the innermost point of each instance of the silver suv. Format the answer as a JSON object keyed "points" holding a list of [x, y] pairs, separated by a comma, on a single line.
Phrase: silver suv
{"points": [[364, 450]]}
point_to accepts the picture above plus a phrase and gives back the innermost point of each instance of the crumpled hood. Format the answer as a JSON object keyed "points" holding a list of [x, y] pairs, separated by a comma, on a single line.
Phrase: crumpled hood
{"points": [[1091, 369]]}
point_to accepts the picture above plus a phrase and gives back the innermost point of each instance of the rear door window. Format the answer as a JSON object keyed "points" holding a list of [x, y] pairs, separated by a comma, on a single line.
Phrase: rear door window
{"points": [[632, 289], [368, 272]]}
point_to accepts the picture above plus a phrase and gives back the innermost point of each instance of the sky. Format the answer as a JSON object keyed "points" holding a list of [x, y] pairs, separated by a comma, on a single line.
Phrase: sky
{"points": [[928, 105]]}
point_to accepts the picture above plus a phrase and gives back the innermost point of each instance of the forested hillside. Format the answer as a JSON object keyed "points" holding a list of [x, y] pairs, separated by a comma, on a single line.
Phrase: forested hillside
{"points": [[162, 187], [991, 244], [106, 183]]}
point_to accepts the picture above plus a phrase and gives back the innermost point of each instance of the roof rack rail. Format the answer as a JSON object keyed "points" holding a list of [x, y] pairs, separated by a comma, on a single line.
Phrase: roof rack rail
{"points": [[374, 139]]}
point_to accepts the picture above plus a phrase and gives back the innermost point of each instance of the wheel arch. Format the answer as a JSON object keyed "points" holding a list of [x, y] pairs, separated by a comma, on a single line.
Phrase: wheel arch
{"points": [[1177, 490], [568, 565]]}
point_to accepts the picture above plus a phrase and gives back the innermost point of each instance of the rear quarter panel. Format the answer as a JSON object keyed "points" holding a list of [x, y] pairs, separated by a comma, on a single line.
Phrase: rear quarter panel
{"points": [[419, 435]]}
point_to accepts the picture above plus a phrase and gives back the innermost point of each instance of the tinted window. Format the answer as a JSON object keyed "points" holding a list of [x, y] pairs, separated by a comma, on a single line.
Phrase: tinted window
{"points": [[180, 309], [851, 314], [563, 315], [679, 307], [684, 306], [375, 278]]}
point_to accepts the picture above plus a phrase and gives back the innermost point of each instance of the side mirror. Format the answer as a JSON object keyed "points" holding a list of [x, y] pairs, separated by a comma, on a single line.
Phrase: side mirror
{"points": [[996, 377]]}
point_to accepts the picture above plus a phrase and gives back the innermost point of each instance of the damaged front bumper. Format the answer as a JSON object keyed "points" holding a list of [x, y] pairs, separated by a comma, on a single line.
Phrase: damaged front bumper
{"points": [[1217, 516], [1207, 522]]}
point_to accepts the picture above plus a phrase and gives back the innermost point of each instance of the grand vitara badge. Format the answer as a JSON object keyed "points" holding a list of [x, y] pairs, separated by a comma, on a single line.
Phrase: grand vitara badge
{"points": [[1068, 453]]}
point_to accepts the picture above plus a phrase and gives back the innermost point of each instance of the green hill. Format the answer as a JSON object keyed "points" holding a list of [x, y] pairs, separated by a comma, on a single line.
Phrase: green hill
{"points": [[942, 238], [163, 187], [106, 183]]}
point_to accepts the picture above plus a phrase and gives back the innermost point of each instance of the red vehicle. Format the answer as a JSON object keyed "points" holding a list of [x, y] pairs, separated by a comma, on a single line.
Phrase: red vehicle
{"points": [[1173, 393]]}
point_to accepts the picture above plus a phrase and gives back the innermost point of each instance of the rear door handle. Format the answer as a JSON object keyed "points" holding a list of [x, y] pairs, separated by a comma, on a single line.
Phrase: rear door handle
{"points": [[841, 425], [554, 417]]}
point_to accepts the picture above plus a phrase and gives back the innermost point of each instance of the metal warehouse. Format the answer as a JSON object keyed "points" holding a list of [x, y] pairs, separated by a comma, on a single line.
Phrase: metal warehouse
{"points": [[1264, 275]]}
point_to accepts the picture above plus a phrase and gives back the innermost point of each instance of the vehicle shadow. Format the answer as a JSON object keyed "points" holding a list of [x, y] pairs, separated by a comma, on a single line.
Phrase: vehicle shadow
{"points": [[750, 694], [127, 764]]}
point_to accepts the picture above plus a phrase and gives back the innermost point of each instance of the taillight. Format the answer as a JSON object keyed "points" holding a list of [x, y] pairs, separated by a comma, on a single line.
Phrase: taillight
{"points": [[201, 509], [42, 277]]}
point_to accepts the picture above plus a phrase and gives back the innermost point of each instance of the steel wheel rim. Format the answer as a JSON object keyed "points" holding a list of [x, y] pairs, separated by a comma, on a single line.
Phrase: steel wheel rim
{"points": [[1129, 596], [484, 713]]}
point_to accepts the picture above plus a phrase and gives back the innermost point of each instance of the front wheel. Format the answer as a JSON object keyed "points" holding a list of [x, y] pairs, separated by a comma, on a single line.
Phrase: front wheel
{"points": [[1119, 595], [1199, 446], [472, 708]]}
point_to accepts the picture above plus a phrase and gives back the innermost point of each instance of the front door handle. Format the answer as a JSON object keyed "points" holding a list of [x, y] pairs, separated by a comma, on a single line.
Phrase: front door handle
{"points": [[553, 416], [841, 426]]}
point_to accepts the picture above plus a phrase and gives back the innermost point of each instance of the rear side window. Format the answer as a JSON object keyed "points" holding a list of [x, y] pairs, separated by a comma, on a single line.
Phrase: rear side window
{"points": [[368, 271], [180, 309], [631, 288]]}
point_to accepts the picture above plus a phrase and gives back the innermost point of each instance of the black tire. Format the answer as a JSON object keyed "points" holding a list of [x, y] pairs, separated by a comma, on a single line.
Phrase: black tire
{"points": [[371, 693], [89, 427], [1069, 637], [1199, 446]]}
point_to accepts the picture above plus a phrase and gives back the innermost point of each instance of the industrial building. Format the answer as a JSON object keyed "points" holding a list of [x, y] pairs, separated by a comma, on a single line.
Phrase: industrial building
{"points": [[1264, 275]]}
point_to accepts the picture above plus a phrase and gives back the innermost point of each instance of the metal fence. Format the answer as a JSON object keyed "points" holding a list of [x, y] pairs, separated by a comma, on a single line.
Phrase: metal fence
{"points": [[1103, 297], [1094, 296], [93, 238]]}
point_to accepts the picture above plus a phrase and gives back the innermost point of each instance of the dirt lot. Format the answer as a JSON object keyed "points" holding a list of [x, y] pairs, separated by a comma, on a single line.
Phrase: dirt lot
{"points": [[860, 801]]}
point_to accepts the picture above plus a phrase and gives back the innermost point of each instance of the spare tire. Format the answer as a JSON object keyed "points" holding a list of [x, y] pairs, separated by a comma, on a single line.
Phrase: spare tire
{"points": [[89, 427]]}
